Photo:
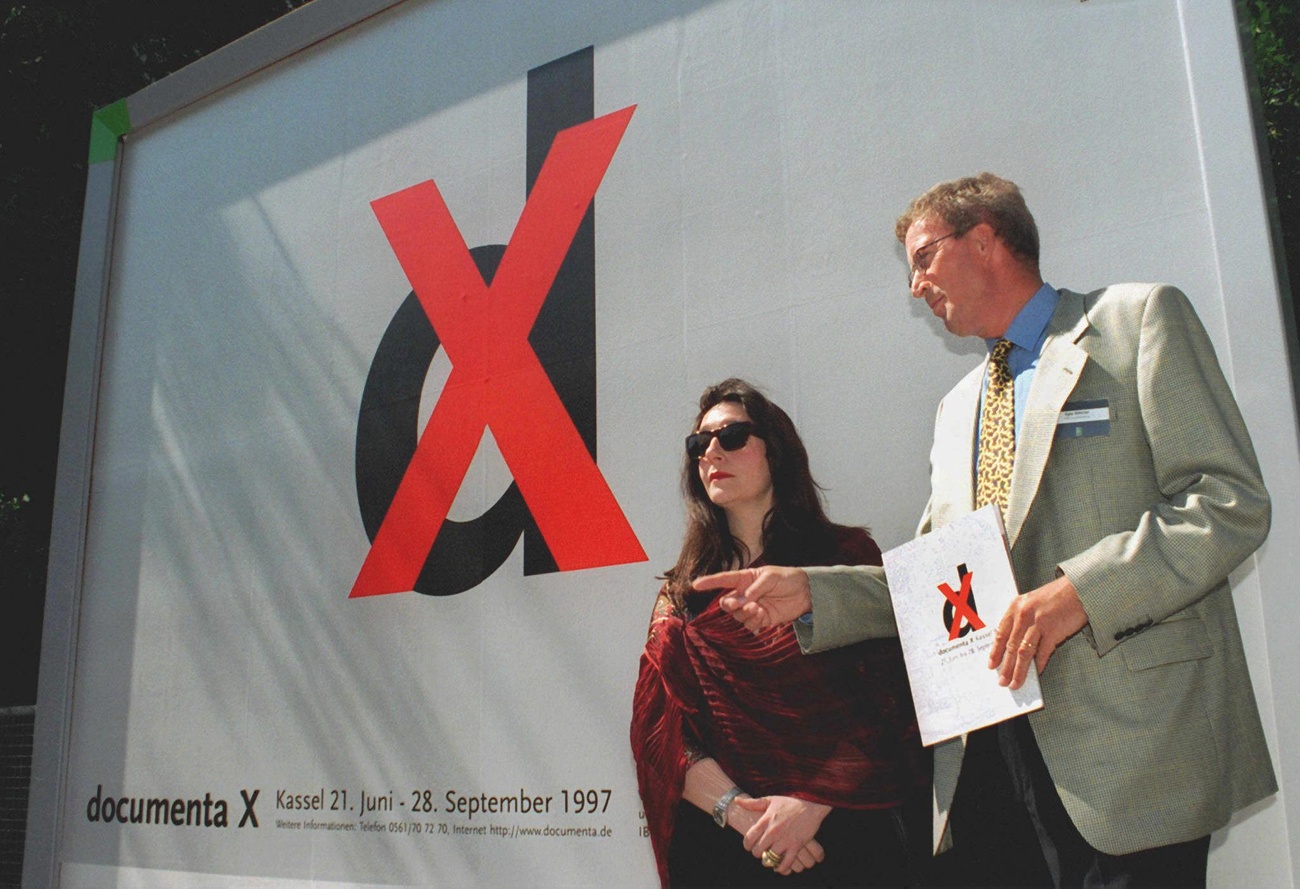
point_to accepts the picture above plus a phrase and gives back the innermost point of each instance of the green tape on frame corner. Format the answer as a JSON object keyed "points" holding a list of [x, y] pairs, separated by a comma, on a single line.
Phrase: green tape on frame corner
{"points": [[107, 126]]}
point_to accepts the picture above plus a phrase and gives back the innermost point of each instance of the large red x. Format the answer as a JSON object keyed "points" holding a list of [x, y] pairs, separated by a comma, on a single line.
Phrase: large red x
{"points": [[961, 609], [496, 379]]}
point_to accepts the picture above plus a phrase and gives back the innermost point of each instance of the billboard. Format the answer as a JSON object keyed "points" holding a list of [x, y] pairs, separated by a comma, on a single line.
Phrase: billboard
{"points": [[391, 319]]}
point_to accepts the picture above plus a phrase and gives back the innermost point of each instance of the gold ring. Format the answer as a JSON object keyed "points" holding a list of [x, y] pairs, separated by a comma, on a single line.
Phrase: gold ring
{"points": [[771, 859], [1027, 646]]}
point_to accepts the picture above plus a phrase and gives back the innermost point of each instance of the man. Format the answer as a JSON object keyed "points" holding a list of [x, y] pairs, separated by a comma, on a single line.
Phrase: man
{"points": [[1103, 427]]}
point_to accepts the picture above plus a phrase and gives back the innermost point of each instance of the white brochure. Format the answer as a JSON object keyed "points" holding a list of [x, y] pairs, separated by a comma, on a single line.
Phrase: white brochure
{"points": [[950, 588]]}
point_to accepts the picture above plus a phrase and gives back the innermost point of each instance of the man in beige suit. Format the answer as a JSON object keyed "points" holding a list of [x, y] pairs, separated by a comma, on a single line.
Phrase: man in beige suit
{"points": [[1133, 492]]}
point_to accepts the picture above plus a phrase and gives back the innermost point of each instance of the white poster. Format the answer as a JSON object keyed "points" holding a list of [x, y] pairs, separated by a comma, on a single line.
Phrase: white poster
{"points": [[366, 574]]}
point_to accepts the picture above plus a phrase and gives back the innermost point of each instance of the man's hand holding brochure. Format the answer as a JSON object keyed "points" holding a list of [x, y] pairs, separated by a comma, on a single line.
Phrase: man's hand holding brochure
{"points": [[950, 588]]}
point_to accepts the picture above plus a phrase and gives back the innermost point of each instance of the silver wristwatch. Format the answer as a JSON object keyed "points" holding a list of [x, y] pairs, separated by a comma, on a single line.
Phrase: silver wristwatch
{"points": [[720, 807]]}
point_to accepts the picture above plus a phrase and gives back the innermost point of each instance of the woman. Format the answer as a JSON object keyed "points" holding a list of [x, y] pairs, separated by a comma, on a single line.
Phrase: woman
{"points": [[807, 758]]}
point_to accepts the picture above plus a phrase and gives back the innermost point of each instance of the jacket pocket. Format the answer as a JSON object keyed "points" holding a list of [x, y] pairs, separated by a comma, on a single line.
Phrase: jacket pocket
{"points": [[1168, 642]]}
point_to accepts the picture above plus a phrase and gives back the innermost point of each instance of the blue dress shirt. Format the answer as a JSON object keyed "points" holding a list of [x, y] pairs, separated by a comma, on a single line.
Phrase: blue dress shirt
{"points": [[1027, 333]]}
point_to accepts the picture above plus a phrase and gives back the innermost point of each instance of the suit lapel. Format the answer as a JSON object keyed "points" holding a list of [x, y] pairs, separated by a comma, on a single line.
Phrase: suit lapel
{"points": [[954, 446], [1059, 368]]}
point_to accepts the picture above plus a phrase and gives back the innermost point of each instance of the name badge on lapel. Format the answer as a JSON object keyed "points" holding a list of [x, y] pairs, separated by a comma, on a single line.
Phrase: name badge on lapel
{"points": [[1083, 419]]}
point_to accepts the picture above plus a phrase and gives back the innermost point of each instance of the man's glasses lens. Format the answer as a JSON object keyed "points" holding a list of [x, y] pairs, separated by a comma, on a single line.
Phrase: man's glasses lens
{"points": [[924, 256], [732, 438]]}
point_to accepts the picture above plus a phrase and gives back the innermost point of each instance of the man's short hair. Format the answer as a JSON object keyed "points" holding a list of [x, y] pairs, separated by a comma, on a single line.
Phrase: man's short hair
{"points": [[965, 203]]}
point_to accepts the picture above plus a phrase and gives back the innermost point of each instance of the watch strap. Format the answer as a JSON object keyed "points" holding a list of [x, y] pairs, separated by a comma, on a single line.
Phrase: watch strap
{"points": [[724, 801]]}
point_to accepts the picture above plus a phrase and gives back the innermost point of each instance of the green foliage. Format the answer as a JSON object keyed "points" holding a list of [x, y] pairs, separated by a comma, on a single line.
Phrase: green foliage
{"points": [[11, 517], [1274, 30], [1275, 34], [13, 504]]}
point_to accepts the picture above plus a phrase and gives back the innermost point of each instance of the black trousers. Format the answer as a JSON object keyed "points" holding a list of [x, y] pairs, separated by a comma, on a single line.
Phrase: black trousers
{"points": [[863, 849], [1011, 830]]}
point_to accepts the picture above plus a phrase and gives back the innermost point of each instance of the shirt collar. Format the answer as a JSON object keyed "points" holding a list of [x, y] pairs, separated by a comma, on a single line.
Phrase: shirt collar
{"points": [[1029, 328]]}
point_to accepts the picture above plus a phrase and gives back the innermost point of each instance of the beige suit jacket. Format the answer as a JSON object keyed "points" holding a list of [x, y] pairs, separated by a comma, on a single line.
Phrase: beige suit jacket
{"points": [[1150, 728]]}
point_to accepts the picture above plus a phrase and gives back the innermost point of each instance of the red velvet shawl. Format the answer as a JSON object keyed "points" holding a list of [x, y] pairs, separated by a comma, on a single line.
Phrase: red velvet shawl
{"points": [[836, 728]]}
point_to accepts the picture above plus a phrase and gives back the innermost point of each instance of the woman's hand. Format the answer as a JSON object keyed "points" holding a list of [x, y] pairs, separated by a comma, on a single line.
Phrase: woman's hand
{"points": [[785, 825]]}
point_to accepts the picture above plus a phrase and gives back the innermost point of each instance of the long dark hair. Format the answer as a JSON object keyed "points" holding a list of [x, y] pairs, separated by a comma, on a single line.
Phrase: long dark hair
{"points": [[796, 530]]}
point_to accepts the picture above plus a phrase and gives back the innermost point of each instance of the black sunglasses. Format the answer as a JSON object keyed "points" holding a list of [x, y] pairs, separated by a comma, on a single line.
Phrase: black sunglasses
{"points": [[732, 437]]}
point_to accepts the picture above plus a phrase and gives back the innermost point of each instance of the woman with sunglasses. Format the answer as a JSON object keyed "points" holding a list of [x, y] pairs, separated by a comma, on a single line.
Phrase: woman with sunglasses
{"points": [[758, 764]]}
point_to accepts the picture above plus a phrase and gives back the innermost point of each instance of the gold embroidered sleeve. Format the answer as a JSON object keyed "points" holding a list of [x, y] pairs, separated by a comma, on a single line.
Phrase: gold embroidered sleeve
{"points": [[663, 610]]}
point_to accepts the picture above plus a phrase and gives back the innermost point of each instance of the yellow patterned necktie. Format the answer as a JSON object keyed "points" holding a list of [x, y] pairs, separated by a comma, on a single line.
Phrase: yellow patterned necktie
{"points": [[997, 445]]}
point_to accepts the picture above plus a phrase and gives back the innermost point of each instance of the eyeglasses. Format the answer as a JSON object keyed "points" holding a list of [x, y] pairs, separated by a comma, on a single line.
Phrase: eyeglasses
{"points": [[921, 262], [732, 437]]}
